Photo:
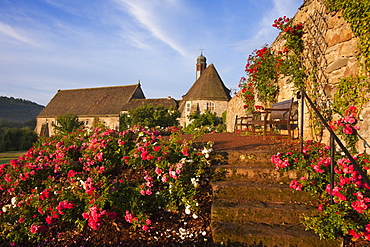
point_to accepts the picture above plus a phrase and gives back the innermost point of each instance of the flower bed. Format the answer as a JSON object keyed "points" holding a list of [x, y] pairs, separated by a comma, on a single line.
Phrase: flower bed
{"points": [[350, 213], [73, 189]]}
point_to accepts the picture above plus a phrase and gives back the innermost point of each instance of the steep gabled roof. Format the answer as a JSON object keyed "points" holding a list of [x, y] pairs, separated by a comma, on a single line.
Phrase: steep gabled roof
{"points": [[209, 86], [92, 101], [135, 103]]}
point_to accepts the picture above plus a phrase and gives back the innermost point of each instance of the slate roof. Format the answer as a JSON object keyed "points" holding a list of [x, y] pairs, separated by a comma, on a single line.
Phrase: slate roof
{"points": [[166, 102], [99, 101], [209, 86]]}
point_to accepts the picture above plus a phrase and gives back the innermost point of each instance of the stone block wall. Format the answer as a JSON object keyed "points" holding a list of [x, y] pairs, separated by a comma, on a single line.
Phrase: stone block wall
{"points": [[111, 122], [219, 107], [331, 53], [234, 108]]}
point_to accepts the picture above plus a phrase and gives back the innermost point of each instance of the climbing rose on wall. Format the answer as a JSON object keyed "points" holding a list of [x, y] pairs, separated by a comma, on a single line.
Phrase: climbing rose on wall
{"points": [[347, 127], [247, 94]]}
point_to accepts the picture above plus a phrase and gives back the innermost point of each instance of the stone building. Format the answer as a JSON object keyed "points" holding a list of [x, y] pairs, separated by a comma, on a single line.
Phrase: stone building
{"points": [[102, 104], [106, 104], [207, 93]]}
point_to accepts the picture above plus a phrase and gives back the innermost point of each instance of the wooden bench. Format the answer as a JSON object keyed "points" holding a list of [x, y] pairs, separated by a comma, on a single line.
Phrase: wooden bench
{"points": [[242, 123], [282, 116]]}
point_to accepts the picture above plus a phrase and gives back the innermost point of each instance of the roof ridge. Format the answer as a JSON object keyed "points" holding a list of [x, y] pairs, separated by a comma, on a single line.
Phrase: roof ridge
{"points": [[72, 89]]}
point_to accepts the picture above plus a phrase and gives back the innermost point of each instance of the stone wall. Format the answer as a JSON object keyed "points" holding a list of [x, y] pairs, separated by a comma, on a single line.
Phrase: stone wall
{"points": [[330, 53], [111, 122], [218, 107], [234, 108]]}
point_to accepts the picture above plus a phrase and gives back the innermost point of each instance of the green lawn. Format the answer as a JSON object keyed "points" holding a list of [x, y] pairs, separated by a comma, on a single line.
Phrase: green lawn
{"points": [[5, 157]]}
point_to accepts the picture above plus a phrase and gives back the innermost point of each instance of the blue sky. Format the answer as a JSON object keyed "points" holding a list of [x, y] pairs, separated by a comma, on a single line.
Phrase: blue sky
{"points": [[46, 45]]}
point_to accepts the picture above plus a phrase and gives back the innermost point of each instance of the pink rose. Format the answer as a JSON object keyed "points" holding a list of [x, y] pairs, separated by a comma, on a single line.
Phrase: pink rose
{"points": [[347, 129]]}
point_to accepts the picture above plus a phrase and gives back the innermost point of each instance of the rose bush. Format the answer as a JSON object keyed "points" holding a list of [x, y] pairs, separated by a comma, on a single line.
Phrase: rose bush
{"points": [[350, 213], [72, 181], [347, 127], [264, 66], [247, 92], [262, 72]]}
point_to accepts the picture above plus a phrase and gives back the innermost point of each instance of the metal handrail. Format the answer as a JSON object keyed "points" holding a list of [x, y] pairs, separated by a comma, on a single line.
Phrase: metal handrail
{"points": [[333, 138]]}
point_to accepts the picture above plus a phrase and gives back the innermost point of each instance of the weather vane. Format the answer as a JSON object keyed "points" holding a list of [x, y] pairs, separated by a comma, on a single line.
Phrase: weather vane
{"points": [[201, 50]]}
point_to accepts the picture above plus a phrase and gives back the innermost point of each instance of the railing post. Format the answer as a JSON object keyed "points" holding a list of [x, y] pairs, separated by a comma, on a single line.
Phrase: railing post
{"points": [[301, 95], [332, 163]]}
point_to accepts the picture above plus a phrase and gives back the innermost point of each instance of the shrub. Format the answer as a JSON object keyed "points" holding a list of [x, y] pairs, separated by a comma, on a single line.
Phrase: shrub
{"points": [[204, 123], [150, 116], [16, 139], [80, 180], [350, 213], [67, 123]]}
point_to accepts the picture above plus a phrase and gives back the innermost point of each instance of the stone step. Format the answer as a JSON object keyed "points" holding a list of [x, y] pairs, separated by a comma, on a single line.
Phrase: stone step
{"points": [[257, 211], [254, 206], [248, 159], [264, 192], [267, 235], [256, 173]]}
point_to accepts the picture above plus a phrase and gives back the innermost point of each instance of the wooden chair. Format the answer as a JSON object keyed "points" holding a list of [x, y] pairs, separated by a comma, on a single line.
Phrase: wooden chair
{"points": [[242, 123], [283, 116]]}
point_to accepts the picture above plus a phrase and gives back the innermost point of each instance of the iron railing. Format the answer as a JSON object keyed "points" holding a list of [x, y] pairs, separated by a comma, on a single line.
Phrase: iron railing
{"points": [[333, 138]]}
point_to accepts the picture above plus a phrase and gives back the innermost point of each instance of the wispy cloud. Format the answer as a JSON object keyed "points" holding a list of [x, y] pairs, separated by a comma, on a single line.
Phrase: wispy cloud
{"points": [[11, 32], [286, 7], [46, 45], [266, 31], [156, 19]]}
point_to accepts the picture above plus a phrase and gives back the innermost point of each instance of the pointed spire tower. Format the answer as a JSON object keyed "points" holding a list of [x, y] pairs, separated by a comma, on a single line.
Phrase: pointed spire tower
{"points": [[201, 65]]}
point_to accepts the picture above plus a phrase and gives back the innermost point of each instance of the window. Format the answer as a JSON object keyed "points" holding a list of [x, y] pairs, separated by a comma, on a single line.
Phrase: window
{"points": [[211, 106], [87, 123], [188, 107]]}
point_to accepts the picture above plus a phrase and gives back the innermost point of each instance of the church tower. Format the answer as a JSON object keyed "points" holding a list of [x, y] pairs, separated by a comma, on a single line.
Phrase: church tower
{"points": [[201, 65]]}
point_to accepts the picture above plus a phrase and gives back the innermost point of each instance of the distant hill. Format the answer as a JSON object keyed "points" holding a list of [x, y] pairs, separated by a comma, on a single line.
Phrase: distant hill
{"points": [[18, 110]]}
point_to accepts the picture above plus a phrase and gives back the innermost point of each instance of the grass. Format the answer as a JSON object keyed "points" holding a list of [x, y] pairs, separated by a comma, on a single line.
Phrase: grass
{"points": [[5, 157]]}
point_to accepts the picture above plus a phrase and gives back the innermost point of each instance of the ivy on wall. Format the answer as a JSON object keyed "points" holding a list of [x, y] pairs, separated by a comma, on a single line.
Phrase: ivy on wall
{"points": [[357, 14], [351, 91]]}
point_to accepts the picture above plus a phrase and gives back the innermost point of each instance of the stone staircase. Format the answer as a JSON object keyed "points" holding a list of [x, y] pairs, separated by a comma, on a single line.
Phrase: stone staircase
{"points": [[254, 206]]}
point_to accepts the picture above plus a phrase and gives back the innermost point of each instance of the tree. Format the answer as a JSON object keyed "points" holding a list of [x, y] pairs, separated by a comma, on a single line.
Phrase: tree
{"points": [[67, 123], [16, 139], [150, 116], [208, 119]]}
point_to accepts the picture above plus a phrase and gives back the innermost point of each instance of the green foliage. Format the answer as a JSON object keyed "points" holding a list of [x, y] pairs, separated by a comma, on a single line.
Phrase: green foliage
{"points": [[67, 123], [247, 93], [346, 127], [357, 14], [18, 110], [261, 69], [350, 213], [292, 34], [12, 124], [206, 122], [265, 66], [352, 91], [291, 66], [70, 183], [16, 139], [150, 116], [290, 63], [224, 115]]}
